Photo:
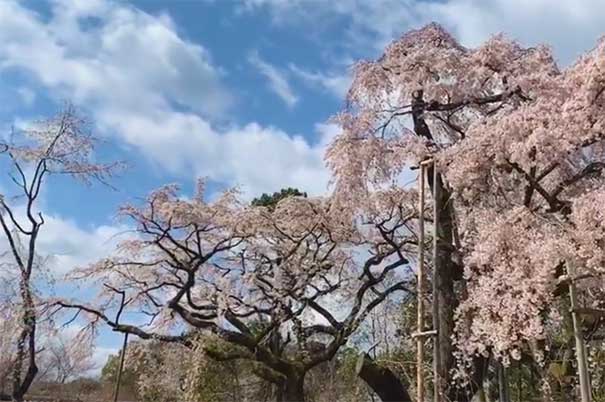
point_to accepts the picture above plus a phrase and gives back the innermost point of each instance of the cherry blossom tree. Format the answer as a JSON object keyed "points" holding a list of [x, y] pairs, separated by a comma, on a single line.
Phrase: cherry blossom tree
{"points": [[65, 356], [57, 146], [282, 287], [518, 147]]}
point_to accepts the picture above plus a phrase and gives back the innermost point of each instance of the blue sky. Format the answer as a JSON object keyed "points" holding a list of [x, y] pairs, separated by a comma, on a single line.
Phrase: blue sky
{"points": [[237, 91]]}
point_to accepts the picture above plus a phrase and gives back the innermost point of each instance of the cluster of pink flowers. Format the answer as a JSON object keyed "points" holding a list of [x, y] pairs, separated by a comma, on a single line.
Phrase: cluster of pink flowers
{"points": [[519, 143]]}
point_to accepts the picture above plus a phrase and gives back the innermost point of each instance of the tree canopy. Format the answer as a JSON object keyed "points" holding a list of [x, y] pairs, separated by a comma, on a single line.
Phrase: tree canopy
{"points": [[518, 145], [270, 201]]}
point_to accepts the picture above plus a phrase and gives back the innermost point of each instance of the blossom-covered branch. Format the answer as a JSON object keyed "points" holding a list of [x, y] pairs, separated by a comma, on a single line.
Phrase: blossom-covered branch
{"points": [[519, 148], [285, 286], [60, 145]]}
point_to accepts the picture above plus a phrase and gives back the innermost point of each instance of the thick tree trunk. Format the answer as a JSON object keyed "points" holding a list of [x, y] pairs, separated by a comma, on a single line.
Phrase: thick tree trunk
{"points": [[382, 381], [449, 272], [30, 375], [26, 346], [292, 389]]}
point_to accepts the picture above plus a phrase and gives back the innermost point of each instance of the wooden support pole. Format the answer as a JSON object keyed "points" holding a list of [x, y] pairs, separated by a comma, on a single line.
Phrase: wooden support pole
{"points": [[424, 334], [565, 279], [579, 339], [420, 289], [597, 312], [436, 286], [120, 368], [503, 391]]}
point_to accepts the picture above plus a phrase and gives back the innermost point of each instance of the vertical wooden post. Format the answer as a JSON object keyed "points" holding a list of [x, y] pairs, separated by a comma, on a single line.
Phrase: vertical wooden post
{"points": [[577, 331], [120, 368], [420, 289], [503, 391], [436, 286], [519, 382]]}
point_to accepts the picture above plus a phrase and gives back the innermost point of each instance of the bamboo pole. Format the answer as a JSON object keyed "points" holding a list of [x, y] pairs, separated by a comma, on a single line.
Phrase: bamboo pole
{"points": [[420, 290], [579, 340], [503, 391], [120, 368], [436, 350]]}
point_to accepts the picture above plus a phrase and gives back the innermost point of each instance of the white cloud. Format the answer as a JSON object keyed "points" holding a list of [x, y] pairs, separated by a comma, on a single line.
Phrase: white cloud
{"points": [[327, 133], [277, 79], [333, 83], [259, 158], [370, 24], [155, 91], [570, 26], [64, 245], [71, 246], [27, 95], [128, 58]]}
